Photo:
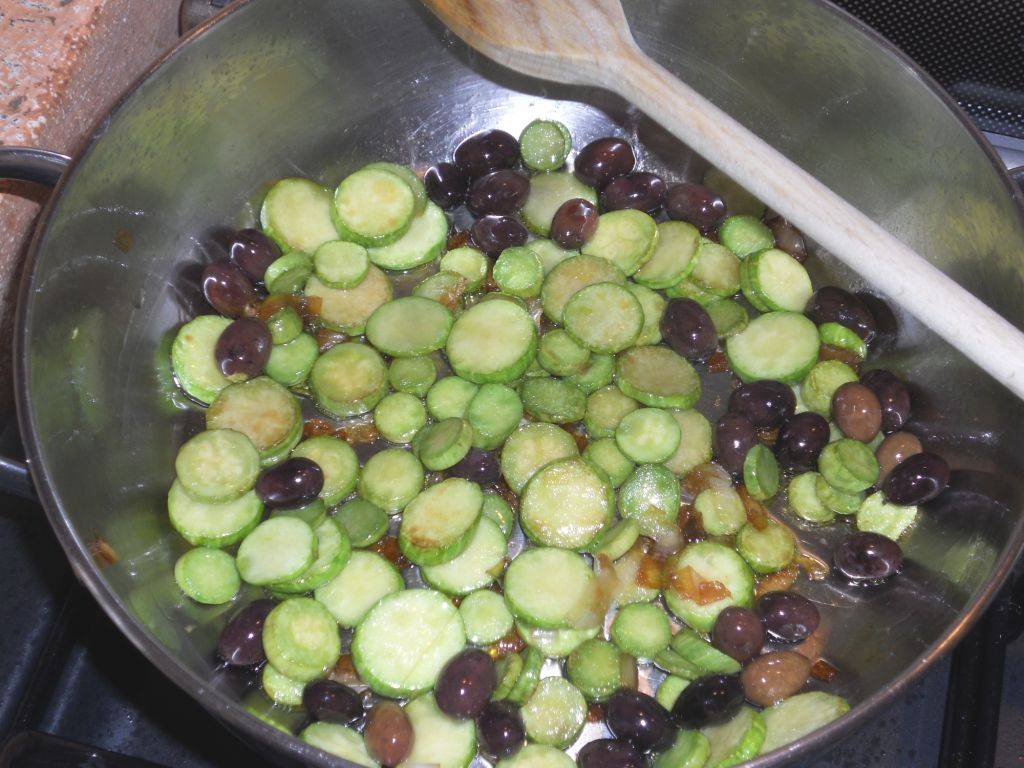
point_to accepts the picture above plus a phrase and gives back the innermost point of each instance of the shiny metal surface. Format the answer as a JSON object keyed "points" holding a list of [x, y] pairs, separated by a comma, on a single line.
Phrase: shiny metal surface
{"points": [[317, 87], [39, 166]]}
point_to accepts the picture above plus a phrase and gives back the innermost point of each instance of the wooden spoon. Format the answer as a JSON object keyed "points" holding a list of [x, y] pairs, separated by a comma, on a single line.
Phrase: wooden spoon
{"points": [[588, 42]]}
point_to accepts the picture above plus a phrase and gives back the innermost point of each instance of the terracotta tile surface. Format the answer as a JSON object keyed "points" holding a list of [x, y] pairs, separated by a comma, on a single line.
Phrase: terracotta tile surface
{"points": [[62, 63]]}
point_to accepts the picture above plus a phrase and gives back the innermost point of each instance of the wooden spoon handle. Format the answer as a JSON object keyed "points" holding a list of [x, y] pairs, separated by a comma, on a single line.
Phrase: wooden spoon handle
{"points": [[886, 263]]}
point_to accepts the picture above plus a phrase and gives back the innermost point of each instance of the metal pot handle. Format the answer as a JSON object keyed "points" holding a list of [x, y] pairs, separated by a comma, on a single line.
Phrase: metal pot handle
{"points": [[38, 166]]}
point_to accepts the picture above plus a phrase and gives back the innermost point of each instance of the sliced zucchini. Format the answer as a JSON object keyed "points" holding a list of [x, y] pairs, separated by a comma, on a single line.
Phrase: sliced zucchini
{"points": [[641, 630], [531, 447], [572, 275], [821, 384], [278, 549], [439, 523], [290, 364], [414, 375], [560, 354], [480, 563], [289, 273], [365, 523], [839, 502], [443, 287], [766, 550], [494, 412], [704, 656], [648, 435], [518, 272], [301, 639], [468, 262], [207, 575], [399, 416], [658, 377], [594, 668], [650, 497], [285, 324], [566, 504], [340, 264], [409, 327], [438, 740], [653, 305], [219, 465], [550, 253], [721, 510], [554, 715], [626, 238], [443, 444], [349, 379], [745, 235], [492, 341], [604, 454], [337, 461], [841, 337], [339, 740], [551, 588], [761, 472], [799, 715], [485, 616], [347, 310], [422, 243], [365, 580], [687, 289], [450, 397], [192, 360], [604, 317], [617, 540], [729, 317], [280, 688], [553, 400], [296, 214], [544, 145], [695, 444], [848, 465], [668, 691], [554, 643], [605, 409], [709, 562], [526, 681], [880, 516], [736, 740], [401, 645], [716, 270], [373, 207], [262, 410], [537, 756], [804, 499], [599, 372], [212, 524], [772, 279], [674, 255], [778, 345], [333, 551], [391, 479], [547, 192]]}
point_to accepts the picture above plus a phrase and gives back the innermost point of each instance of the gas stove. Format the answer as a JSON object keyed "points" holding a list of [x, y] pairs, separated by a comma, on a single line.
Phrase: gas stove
{"points": [[74, 692]]}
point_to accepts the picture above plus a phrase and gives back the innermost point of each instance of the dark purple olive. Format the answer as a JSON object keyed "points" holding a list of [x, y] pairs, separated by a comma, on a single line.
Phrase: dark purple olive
{"points": [[291, 483], [917, 479], [388, 734], [478, 466], [696, 204], [688, 329], [766, 403], [868, 557], [788, 238], [574, 223], [332, 701], [446, 185], [640, 719], [252, 252], [738, 632], [500, 729], [243, 348], [465, 684], [707, 700], [887, 327], [493, 234], [241, 641], [640, 190], [602, 160], [486, 152], [893, 396], [787, 616], [499, 192], [834, 305], [734, 437], [801, 441], [610, 753], [227, 289]]}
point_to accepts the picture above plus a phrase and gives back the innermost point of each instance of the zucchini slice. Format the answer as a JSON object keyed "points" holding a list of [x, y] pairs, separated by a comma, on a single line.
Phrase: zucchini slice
{"points": [[551, 589], [262, 410], [401, 645], [550, 253], [422, 243], [399, 417], [365, 523], [617, 540], [554, 400], [572, 275], [349, 379], [289, 273], [605, 455], [721, 510], [668, 691], [736, 740], [605, 409], [778, 345], [450, 397], [219, 465], [207, 575], [485, 616], [701, 654], [529, 675], [518, 272], [479, 564], [772, 279], [880, 516], [333, 550], [766, 550], [391, 479], [695, 445], [409, 326], [531, 447], [192, 360], [674, 255], [626, 238], [560, 354], [414, 375], [408, 175], [498, 510], [650, 496], [212, 524], [595, 668], [658, 377], [566, 504], [340, 264], [373, 207], [554, 715], [493, 341], [544, 145], [468, 262], [279, 549], [604, 317], [301, 639], [339, 740], [439, 523], [494, 413], [599, 373], [716, 271], [745, 235], [337, 461], [821, 383], [641, 630], [438, 739], [537, 756], [280, 688], [296, 213], [691, 748], [547, 192], [804, 499], [729, 317], [443, 444], [653, 305], [554, 643], [848, 465], [799, 715], [348, 309], [648, 435], [710, 562], [289, 364], [364, 581]]}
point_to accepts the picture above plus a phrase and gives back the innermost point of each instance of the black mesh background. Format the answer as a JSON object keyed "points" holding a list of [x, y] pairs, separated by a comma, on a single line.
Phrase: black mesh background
{"points": [[974, 48]]}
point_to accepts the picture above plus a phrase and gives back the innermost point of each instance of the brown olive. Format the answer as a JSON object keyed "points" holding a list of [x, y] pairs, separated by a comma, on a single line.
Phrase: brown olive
{"points": [[774, 676], [895, 449], [856, 411], [388, 734]]}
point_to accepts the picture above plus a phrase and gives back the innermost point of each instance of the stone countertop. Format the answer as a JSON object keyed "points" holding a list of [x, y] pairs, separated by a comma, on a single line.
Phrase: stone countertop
{"points": [[62, 64]]}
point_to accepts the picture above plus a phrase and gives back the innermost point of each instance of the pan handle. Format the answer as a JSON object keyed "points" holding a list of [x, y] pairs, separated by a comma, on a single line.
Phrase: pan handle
{"points": [[38, 166]]}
